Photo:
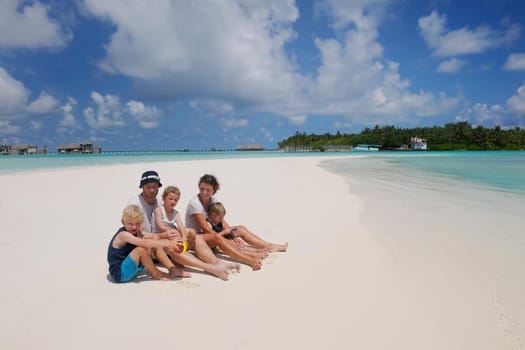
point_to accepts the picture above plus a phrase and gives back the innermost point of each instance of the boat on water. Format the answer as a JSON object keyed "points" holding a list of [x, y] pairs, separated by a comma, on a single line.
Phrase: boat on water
{"points": [[366, 148]]}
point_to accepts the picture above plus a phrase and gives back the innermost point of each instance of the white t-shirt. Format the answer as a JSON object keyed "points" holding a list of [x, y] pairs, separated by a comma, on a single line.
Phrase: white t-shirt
{"points": [[195, 207], [170, 223], [148, 210]]}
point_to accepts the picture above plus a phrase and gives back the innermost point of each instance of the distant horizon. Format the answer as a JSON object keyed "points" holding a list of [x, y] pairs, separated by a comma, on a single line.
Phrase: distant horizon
{"points": [[236, 148]]}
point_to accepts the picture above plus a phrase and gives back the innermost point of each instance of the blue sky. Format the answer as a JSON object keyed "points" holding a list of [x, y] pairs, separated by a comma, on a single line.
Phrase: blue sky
{"points": [[161, 74]]}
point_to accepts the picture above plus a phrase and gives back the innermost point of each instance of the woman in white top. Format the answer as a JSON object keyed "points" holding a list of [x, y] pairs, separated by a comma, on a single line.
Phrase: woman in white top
{"points": [[196, 218]]}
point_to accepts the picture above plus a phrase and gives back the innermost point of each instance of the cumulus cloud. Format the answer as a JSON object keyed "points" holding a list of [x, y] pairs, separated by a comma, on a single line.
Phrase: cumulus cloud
{"points": [[27, 25], [148, 117], [243, 42], [106, 113], [247, 67], [8, 129], [231, 123], [68, 120], [446, 42], [267, 134], [13, 94], [511, 114], [516, 103], [452, 65], [355, 80], [515, 61], [297, 119], [45, 103], [211, 106]]}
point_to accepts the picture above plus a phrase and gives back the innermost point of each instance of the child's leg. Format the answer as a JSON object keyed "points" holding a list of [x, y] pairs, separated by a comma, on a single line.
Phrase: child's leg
{"points": [[229, 248], [174, 271], [260, 253], [256, 241], [142, 256], [218, 268]]}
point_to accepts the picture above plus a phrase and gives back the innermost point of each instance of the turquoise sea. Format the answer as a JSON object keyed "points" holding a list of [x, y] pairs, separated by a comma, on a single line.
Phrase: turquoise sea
{"points": [[501, 170], [11, 164]]}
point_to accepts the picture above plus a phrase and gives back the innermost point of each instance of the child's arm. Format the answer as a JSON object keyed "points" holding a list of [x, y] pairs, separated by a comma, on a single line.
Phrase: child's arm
{"points": [[126, 237], [227, 230], [166, 232], [157, 213], [181, 227]]}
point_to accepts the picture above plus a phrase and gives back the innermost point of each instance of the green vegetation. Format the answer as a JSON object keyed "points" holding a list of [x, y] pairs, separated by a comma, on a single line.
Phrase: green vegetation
{"points": [[456, 136]]}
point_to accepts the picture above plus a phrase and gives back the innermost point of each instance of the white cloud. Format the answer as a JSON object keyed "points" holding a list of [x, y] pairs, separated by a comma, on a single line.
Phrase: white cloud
{"points": [[452, 65], [243, 44], [68, 121], [26, 24], [13, 94], [362, 13], [7, 128], [36, 125], [517, 102], [267, 134], [45, 103], [510, 115], [211, 106], [231, 123], [355, 80], [107, 112], [230, 56], [446, 42], [148, 117], [515, 61], [297, 119]]}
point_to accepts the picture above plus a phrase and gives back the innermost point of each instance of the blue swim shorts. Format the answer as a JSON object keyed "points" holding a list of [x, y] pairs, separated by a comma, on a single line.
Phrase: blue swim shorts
{"points": [[129, 269]]}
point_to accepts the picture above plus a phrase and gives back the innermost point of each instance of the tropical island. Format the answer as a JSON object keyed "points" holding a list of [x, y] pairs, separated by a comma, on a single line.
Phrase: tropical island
{"points": [[452, 136]]}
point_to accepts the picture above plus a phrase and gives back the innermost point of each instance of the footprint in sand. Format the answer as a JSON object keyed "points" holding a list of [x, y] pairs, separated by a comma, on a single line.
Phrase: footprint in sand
{"points": [[187, 284], [505, 325]]}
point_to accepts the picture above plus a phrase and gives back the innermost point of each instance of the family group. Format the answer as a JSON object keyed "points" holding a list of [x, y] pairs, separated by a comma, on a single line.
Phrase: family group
{"points": [[153, 233]]}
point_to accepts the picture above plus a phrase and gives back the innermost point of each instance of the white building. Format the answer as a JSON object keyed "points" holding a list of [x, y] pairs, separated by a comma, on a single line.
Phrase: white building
{"points": [[418, 144]]}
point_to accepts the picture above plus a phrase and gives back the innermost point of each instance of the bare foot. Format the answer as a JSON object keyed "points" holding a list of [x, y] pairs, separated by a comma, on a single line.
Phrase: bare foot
{"points": [[232, 267], [279, 248], [159, 275], [220, 271], [257, 254], [175, 271], [262, 252], [256, 265]]}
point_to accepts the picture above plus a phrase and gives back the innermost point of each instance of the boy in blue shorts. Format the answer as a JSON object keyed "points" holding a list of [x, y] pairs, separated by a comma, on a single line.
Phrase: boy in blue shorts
{"points": [[128, 251]]}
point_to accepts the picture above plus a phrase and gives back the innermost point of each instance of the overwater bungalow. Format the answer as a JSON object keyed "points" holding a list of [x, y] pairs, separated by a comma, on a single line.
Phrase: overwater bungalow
{"points": [[85, 147]]}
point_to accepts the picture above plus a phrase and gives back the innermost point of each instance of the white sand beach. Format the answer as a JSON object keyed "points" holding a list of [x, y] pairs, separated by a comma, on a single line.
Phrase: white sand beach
{"points": [[341, 285]]}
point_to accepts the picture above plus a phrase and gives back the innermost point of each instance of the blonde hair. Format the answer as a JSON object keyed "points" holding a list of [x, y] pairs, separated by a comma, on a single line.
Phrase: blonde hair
{"points": [[170, 189], [133, 213], [217, 208]]}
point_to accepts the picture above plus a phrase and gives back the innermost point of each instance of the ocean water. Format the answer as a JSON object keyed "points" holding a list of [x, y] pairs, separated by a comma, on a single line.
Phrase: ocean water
{"points": [[471, 196], [12, 164], [500, 170], [503, 171], [449, 221]]}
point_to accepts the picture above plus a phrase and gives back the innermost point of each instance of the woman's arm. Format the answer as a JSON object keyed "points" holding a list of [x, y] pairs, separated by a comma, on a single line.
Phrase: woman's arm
{"points": [[202, 223]]}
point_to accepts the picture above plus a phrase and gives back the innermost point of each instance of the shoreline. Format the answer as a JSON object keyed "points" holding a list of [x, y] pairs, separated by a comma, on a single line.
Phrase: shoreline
{"points": [[339, 284]]}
